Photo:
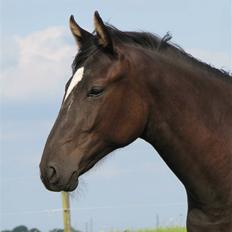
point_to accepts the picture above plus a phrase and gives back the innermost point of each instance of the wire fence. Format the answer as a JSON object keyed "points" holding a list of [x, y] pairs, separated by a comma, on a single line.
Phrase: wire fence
{"points": [[58, 210], [88, 225]]}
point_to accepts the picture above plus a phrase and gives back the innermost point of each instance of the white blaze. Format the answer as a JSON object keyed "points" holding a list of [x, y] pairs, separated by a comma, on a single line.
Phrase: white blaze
{"points": [[75, 80]]}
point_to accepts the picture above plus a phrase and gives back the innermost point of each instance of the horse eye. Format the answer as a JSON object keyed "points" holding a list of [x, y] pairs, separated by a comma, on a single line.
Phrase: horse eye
{"points": [[95, 91]]}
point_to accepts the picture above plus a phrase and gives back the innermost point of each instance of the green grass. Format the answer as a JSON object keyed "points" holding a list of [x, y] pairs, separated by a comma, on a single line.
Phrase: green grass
{"points": [[172, 229]]}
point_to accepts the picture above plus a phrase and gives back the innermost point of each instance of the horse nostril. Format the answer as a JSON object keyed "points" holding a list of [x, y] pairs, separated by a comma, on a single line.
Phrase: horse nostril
{"points": [[52, 174]]}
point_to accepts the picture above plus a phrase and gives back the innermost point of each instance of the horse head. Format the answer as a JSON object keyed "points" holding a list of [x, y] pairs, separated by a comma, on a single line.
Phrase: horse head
{"points": [[102, 108]]}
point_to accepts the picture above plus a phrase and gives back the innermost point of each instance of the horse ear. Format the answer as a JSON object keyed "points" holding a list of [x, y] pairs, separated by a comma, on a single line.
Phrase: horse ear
{"points": [[81, 36], [103, 36]]}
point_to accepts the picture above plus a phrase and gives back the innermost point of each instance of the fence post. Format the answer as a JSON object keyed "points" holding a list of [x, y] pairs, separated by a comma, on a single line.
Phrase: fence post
{"points": [[66, 211]]}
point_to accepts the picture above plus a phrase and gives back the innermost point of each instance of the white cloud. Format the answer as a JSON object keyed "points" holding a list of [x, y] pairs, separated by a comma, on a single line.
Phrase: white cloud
{"points": [[39, 64], [42, 67]]}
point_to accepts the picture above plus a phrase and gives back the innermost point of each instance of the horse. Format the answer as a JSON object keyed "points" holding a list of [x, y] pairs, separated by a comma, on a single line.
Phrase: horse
{"points": [[128, 85]]}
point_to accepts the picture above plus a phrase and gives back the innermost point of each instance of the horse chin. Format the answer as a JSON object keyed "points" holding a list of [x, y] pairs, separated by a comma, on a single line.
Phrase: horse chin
{"points": [[70, 185], [68, 188]]}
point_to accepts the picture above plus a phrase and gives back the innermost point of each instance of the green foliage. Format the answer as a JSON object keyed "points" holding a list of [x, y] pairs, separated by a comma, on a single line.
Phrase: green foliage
{"points": [[25, 229], [20, 229], [57, 230], [61, 230], [171, 229], [74, 230], [34, 230]]}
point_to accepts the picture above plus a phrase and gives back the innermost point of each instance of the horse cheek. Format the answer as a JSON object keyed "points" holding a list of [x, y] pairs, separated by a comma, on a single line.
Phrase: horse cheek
{"points": [[130, 125]]}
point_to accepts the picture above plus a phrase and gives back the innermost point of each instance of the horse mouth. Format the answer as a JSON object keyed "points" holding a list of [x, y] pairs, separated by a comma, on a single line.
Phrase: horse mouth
{"points": [[72, 183]]}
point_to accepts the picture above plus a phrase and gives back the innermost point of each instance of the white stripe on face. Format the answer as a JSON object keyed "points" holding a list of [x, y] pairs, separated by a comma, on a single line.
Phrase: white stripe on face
{"points": [[75, 80]]}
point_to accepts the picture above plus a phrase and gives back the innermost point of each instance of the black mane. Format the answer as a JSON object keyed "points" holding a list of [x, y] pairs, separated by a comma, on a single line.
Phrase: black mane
{"points": [[149, 41]]}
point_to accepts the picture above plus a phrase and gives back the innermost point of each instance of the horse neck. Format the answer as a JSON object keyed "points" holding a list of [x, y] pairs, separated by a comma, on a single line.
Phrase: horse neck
{"points": [[189, 124]]}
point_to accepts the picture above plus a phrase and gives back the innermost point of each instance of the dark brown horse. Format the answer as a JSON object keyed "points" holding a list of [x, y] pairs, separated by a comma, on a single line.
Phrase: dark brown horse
{"points": [[127, 85]]}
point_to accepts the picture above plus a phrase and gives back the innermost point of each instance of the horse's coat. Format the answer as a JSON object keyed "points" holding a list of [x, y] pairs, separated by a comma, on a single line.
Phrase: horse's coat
{"points": [[138, 85]]}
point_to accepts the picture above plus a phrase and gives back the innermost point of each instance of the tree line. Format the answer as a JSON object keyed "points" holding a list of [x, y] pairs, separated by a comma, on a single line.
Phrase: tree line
{"points": [[23, 228]]}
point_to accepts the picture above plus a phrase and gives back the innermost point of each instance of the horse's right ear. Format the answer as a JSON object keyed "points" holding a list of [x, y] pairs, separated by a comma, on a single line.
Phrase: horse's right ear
{"points": [[81, 36]]}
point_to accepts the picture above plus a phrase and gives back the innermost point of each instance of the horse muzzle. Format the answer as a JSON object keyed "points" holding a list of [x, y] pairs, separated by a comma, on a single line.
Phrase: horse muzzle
{"points": [[55, 179]]}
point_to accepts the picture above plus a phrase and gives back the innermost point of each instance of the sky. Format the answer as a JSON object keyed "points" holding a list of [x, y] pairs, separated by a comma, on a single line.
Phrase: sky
{"points": [[132, 187]]}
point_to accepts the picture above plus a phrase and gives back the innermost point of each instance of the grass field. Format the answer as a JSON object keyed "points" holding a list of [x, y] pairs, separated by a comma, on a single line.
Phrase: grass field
{"points": [[172, 229]]}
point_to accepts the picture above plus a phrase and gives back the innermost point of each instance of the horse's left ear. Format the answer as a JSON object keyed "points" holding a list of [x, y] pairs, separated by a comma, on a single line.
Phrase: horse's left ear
{"points": [[103, 36]]}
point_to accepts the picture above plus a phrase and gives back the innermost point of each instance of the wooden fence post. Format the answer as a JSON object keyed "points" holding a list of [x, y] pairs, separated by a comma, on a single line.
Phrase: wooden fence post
{"points": [[66, 211]]}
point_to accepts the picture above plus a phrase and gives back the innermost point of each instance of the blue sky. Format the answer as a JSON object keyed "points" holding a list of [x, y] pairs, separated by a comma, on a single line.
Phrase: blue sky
{"points": [[133, 184]]}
